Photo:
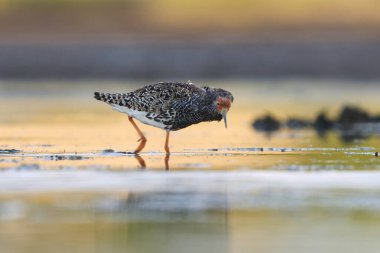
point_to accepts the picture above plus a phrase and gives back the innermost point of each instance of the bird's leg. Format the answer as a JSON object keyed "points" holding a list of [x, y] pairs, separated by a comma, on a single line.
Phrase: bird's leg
{"points": [[141, 135], [167, 157], [167, 143]]}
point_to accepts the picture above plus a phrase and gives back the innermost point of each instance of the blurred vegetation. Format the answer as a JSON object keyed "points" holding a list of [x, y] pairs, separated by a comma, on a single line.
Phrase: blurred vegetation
{"points": [[186, 16]]}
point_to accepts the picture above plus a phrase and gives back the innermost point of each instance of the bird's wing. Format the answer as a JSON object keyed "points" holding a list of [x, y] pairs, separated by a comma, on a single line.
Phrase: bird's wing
{"points": [[162, 97], [152, 98], [163, 101]]}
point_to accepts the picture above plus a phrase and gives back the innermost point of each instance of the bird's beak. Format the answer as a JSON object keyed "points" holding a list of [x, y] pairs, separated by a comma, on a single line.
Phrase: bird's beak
{"points": [[224, 114]]}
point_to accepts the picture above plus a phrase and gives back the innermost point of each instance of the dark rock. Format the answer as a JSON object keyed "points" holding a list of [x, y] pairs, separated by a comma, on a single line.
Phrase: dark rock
{"points": [[354, 124], [294, 123], [322, 123], [352, 115], [267, 124]]}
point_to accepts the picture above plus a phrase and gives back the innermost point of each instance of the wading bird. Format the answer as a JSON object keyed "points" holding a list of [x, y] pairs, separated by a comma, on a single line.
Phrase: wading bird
{"points": [[170, 106]]}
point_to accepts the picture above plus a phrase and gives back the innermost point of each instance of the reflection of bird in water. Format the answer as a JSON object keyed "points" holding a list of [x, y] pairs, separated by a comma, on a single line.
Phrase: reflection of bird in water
{"points": [[170, 106], [142, 163]]}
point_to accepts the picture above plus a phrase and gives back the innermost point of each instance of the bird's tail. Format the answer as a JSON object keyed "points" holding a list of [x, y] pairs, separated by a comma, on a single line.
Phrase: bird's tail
{"points": [[111, 98], [105, 97]]}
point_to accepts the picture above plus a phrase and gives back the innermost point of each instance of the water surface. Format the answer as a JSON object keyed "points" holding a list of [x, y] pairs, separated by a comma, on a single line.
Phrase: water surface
{"points": [[69, 182]]}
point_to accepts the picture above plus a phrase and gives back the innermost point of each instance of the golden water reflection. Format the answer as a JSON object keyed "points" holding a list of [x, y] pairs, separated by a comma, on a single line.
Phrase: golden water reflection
{"points": [[75, 186]]}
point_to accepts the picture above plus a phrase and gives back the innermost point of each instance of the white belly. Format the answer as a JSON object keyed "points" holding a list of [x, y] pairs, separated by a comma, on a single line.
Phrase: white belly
{"points": [[139, 115]]}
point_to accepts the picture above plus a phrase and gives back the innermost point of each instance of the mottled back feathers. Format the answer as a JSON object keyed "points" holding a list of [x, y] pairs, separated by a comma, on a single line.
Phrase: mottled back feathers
{"points": [[168, 105]]}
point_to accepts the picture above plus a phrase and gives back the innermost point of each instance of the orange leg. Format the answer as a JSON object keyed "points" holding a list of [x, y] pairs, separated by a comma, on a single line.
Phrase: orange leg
{"points": [[167, 157], [167, 143], [141, 135]]}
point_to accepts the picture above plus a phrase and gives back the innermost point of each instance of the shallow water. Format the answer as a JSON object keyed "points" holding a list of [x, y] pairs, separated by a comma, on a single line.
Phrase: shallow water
{"points": [[67, 174]]}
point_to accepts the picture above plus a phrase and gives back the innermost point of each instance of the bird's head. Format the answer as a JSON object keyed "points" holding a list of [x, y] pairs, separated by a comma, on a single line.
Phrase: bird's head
{"points": [[222, 101]]}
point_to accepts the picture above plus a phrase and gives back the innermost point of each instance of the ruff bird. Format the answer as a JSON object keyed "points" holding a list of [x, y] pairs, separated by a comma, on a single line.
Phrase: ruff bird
{"points": [[170, 106]]}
